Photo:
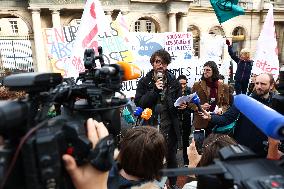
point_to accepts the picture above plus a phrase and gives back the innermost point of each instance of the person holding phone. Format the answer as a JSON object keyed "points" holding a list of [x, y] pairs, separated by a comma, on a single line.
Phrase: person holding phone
{"points": [[199, 136]]}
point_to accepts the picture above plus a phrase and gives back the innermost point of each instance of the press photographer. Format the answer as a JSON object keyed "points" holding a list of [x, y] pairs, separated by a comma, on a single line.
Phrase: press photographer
{"points": [[34, 143]]}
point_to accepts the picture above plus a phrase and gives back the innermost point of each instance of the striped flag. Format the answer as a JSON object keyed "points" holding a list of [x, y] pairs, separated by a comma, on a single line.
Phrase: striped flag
{"points": [[93, 22]]}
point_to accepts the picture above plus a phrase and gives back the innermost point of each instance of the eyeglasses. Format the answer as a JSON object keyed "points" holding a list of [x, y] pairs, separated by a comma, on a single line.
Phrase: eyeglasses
{"points": [[158, 61], [207, 70]]}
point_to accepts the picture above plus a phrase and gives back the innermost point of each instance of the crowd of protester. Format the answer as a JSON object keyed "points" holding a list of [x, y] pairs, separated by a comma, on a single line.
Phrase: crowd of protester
{"points": [[145, 150]]}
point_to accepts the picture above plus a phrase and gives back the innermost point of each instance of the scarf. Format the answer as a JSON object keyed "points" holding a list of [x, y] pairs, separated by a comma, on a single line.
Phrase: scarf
{"points": [[213, 93]]}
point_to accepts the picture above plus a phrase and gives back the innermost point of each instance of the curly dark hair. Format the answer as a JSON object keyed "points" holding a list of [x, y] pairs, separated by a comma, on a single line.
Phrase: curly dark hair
{"points": [[163, 54], [213, 66]]}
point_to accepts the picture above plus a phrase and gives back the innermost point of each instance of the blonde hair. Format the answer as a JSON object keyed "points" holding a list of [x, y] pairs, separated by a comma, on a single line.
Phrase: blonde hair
{"points": [[245, 51]]}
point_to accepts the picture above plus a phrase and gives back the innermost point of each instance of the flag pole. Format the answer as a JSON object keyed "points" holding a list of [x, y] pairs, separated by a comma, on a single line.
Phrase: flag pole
{"points": [[224, 36]]}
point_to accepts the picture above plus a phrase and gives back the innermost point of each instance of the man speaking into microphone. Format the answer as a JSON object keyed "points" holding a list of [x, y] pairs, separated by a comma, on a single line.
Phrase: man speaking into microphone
{"points": [[159, 86]]}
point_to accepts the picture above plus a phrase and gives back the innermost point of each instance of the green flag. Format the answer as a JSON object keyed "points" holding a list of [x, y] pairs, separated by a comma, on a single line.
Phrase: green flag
{"points": [[226, 9]]}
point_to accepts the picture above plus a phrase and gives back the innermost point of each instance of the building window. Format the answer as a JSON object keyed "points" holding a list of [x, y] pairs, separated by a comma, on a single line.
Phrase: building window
{"points": [[148, 26], [238, 39], [196, 39], [137, 26], [144, 25], [14, 25]]}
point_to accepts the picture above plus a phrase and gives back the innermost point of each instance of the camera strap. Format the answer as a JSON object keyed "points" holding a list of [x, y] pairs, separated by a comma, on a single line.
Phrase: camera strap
{"points": [[102, 156]]}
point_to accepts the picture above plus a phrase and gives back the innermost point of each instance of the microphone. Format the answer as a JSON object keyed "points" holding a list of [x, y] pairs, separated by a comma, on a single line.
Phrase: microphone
{"points": [[131, 71], [127, 116], [266, 119], [160, 75], [146, 114], [137, 113], [195, 100]]}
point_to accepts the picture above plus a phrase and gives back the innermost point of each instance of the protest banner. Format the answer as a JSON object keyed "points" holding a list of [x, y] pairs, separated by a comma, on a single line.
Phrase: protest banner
{"points": [[118, 45], [266, 56], [58, 44]]}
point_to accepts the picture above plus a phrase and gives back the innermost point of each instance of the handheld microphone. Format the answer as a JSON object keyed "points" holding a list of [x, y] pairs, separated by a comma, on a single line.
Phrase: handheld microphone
{"points": [[266, 119], [146, 114], [195, 100], [138, 111], [127, 116], [160, 75]]}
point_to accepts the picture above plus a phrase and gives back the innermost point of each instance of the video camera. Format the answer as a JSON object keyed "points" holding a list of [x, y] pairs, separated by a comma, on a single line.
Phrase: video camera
{"points": [[31, 157]]}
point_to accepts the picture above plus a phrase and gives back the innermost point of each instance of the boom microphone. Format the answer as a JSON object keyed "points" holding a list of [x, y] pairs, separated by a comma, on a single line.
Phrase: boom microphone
{"points": [[266, 119], [131, 71]]}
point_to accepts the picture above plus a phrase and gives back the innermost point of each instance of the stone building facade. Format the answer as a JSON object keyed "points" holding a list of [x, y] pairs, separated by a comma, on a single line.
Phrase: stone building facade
{"points": [[24, 20]]}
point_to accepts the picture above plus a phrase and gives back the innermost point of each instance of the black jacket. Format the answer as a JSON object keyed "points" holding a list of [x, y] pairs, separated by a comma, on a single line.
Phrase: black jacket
{"points": [[245, 133], [185, 115], [148, 96], [244, 67]]}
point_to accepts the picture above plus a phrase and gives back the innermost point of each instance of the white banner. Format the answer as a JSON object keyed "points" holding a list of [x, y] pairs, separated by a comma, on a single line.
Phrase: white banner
{"points": [[266, 56], [120, 45]]}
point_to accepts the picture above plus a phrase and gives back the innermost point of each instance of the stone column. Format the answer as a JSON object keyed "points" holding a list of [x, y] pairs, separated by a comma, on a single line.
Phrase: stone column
{"points": [[55, 18], [281, 45], [108, 15], [182, 24], [38, 40], [172, 22]]}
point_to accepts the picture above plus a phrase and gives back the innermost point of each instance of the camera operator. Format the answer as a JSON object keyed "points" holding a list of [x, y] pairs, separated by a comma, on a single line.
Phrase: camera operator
{"points": [[86, 176], [245, 132], [135, 167]]}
